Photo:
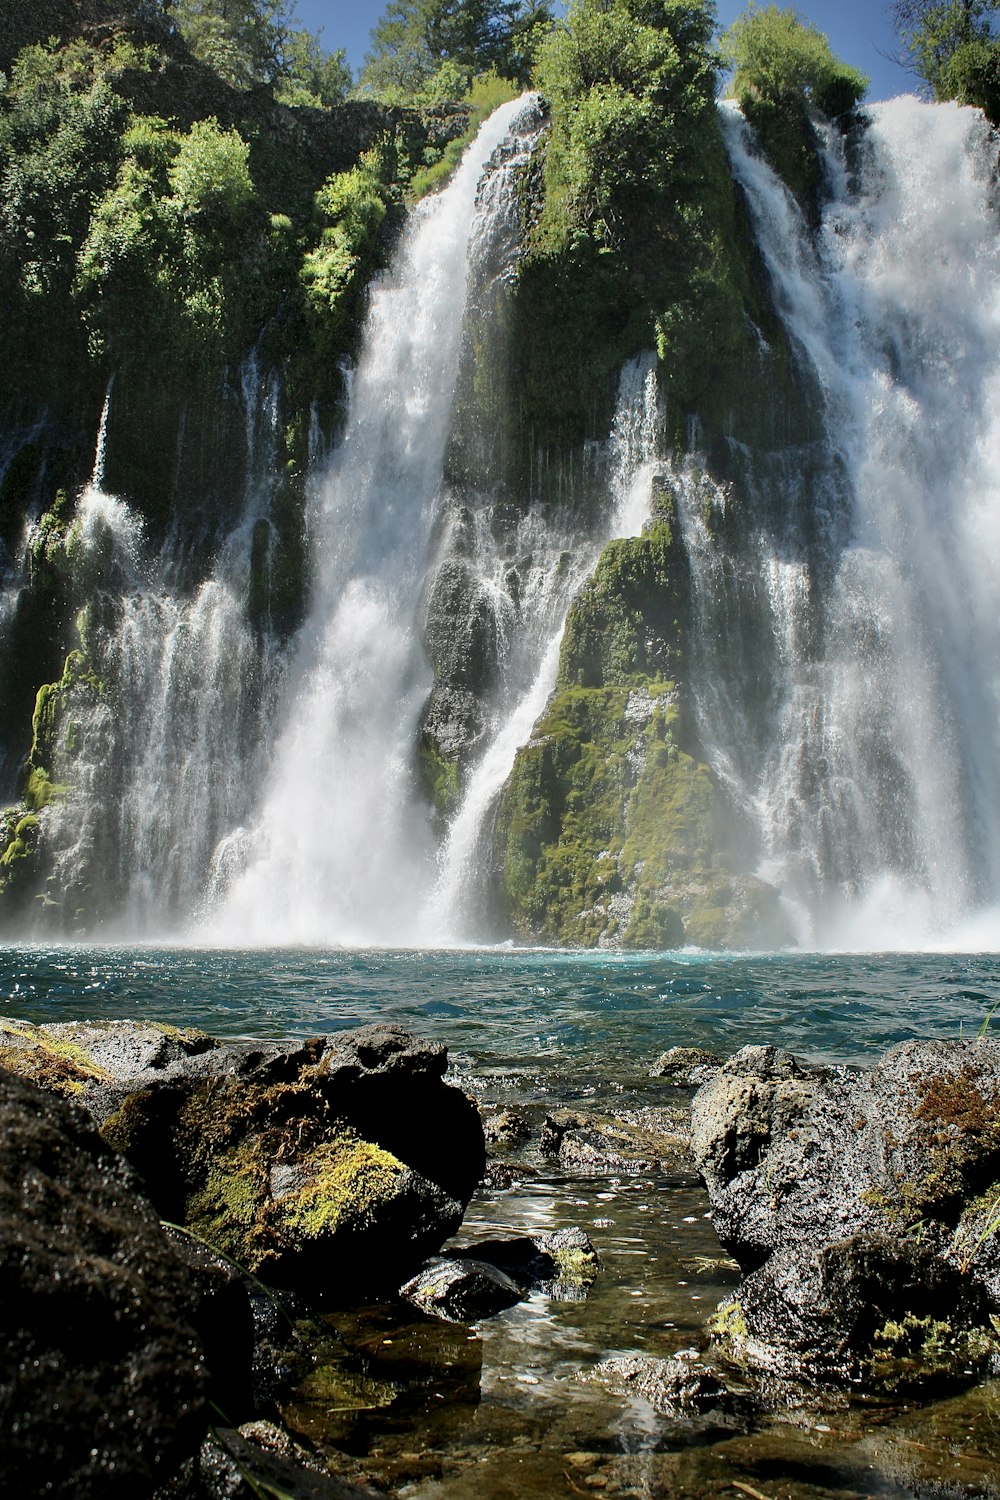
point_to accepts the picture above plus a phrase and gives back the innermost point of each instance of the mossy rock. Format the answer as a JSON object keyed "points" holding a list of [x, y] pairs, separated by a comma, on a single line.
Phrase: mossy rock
{"points": [[609, 831], [48, 1061], [272, 1155]]}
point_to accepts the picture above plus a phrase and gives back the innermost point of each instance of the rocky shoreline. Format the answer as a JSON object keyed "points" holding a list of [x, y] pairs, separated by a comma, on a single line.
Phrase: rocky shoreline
{"points": [[179, 1217]]}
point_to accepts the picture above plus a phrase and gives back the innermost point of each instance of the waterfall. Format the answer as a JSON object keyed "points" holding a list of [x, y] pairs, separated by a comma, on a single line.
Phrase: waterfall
{"points": [[161, 759], [562, 566], [872, 771], [342, 846]]}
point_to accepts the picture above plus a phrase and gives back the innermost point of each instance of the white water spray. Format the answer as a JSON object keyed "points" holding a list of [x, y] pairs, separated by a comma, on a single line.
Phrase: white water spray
{"points": [[342, 847], [161, 758], [876, 782]]}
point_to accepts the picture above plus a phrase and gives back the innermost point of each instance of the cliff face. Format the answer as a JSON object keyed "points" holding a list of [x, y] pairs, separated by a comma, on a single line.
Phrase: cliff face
{"points": [[191, 261]]}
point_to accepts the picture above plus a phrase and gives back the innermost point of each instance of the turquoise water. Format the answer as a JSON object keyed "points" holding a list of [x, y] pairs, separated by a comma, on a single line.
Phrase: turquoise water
{"points": [[570, 1009]]}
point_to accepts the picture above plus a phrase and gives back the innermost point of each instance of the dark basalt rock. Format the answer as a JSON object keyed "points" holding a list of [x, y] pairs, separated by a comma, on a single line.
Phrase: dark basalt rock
{"points": [[683, 1389], [257, 1459], [104, 1382], [563, 1264], [335, 1164], [686, 1067], [863, 1209], [460, 1289], [628, 1143]]}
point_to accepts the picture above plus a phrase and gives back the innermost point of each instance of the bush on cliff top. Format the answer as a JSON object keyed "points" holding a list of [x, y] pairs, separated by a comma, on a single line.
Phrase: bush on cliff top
{"points": [[775, 56]]}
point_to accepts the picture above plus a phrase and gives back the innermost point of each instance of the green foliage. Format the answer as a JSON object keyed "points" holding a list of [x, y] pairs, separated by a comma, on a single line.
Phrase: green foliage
{"points": [[242, 40], [350, 207], [949, 43], [209, 175], [415, 38], [174, 246], [971, 75], [775, 57], [631, 84], [637, 241], [482, 96], [313, 77], [61, 115]]}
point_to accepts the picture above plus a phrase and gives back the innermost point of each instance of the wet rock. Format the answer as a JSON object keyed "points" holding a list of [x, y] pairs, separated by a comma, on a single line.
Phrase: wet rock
{"points": [[681, 1388], [627, 1144], [254, 1460], [863, 1209], [563, 1264], [461, 1290], [506, 1127], [686, 1067], [104, 1382]]}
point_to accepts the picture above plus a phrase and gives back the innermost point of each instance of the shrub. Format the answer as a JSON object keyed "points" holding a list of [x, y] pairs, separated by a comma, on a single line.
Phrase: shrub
{"points": [[776, 57]]}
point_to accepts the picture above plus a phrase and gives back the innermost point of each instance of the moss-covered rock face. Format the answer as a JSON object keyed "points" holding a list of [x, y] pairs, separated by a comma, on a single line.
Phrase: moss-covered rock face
{"points": [[608, 831]]}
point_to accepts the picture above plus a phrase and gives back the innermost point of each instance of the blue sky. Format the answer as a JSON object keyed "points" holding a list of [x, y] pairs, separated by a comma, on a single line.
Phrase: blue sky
{"points": [[860, 32]]}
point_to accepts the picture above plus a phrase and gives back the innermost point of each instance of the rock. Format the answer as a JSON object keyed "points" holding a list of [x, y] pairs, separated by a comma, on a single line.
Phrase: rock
{"points": [[863, 1209], [104, 1383], [333, 1164], [255, 1460], [681, 1388], [628, 1143], [686, 1067], [506, 1127], [461, 1290], [563, 1264]]}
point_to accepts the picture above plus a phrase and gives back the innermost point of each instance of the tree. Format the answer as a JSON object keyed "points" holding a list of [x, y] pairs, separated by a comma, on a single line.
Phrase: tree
{"points": [[415, 37], [776, 58], [313, 76], [244, 41], [952, 46]]}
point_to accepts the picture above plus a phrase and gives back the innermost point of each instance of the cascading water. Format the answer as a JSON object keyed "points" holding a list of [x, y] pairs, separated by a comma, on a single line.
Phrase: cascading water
{"points": [[873, 769], [162, 758], [342, 847], [563, 560]]}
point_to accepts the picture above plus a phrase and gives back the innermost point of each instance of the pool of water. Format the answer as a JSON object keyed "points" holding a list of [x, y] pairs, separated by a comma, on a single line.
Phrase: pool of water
{"points": [[435, 1411], [569, 1009]]}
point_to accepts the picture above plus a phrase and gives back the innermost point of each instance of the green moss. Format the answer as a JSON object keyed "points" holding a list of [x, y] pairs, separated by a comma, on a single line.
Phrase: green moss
{"points": [[338, 1186], [40, 790], [914, 1348], [729, 1322], [50, 1062], [576, 1268], [346, 1182], [609, 830], [440, 777]]}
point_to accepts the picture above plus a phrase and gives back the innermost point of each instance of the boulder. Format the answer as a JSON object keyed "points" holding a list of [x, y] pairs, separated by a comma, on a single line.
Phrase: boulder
{"points": [[104, 1381], [563, 1264], [863, 1210], [334, 1164], [686, 1067], [681, 1388]]}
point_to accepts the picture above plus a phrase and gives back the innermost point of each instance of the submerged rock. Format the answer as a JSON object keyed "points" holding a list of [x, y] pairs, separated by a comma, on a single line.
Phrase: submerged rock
{"points": [[681, 1388], [863, 1209], [627, 1143]]}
